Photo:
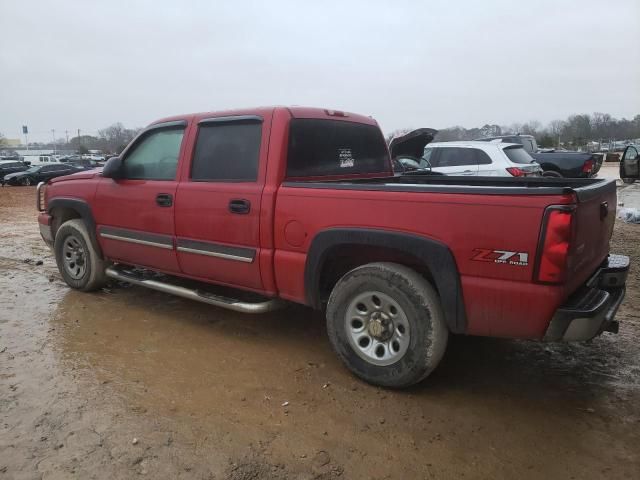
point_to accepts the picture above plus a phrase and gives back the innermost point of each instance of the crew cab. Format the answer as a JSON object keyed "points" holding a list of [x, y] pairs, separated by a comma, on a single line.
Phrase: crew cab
{"points": [[555, 163], [250, 209]]}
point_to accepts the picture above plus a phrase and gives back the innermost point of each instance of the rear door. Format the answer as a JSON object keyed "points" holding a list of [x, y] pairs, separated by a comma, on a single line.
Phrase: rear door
{"points": [[454, 161], [629, 165], [134, 214], [219, 201]]}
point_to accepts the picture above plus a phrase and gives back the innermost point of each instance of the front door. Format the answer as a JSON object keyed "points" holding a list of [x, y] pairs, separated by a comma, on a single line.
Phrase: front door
{"points": [[630, 164], [134, 214], [218, 203]]}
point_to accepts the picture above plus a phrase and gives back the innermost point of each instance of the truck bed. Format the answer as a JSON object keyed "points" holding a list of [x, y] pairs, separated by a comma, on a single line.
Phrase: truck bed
{"points": [[583, 188]]}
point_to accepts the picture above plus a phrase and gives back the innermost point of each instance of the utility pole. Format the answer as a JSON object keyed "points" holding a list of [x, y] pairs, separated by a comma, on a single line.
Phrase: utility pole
{"points": [[53, 137], [66, 132], [79, 142]]}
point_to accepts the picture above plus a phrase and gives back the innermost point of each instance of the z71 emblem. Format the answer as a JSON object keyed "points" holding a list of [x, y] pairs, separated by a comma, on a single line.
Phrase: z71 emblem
{"points": [[501, 256]]}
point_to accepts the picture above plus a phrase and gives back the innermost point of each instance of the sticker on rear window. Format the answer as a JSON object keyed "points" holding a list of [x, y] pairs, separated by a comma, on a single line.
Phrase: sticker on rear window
{"points": [[346, 157]]}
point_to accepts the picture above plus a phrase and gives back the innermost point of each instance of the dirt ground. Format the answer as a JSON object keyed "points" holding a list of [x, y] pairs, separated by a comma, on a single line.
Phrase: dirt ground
{"points": [[128, 382]]}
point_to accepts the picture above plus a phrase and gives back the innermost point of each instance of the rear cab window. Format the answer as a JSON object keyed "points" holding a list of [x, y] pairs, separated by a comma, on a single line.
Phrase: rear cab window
{"points": [[517, 154], [319, 147]]}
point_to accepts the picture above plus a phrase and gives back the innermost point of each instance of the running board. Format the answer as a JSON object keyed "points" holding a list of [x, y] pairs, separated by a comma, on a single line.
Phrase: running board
{"points": [[126, 275]]}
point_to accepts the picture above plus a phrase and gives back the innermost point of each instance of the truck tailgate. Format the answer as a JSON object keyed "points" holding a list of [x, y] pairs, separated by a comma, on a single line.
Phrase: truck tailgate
{"points": [[594, 221]]}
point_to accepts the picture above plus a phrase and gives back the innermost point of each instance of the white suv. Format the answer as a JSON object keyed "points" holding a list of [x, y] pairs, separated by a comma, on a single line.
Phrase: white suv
{"points": [[472, 158]]}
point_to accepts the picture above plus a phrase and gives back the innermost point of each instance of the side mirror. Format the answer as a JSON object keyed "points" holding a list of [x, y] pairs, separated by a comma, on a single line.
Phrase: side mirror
{"points": [[113, 168]]}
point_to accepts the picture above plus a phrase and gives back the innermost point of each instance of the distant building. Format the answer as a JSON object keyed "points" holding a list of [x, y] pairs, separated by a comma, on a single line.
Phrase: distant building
{"points": [[12, 142]]}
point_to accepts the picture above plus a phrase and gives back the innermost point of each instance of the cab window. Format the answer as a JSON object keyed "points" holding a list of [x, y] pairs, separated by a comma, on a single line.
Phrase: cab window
{"points": [[154, 156]]}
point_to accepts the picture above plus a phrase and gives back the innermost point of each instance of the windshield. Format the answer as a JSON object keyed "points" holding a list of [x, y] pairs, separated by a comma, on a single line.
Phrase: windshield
{"points": [[32, 170], [517, 154]]}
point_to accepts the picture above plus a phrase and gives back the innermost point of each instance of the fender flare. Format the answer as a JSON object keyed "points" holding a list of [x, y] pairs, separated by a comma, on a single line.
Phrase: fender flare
{"points": [[434, 254], [84, 210]]}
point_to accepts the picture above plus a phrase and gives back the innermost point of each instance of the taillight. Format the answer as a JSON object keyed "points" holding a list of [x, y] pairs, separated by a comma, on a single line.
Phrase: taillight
{"points": [[515, 171], [588, 166], [555, 241]]}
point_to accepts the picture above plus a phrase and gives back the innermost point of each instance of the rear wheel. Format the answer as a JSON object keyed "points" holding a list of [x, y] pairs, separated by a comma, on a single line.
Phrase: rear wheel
{"points": [[78, 262], [385, 323]]}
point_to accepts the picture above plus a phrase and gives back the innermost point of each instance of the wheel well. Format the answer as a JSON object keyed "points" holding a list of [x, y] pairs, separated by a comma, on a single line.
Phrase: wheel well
{"points": [[344, 258], [61, 215]]}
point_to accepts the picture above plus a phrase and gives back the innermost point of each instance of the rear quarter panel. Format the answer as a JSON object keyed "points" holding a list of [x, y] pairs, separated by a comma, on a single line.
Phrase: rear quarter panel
{"points": [[500, 299]]}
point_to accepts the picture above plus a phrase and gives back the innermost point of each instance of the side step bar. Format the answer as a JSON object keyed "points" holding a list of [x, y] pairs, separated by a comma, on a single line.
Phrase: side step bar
{"points": [[219, 301]]}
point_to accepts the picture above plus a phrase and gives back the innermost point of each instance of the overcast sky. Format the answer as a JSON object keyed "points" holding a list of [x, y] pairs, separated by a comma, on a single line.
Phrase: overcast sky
{"points": [[69, 64]]}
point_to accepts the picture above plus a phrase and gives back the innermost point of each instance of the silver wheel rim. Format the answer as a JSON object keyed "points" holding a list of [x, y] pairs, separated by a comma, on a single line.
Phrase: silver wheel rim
{"points": [[74, 257], [377, 328]]}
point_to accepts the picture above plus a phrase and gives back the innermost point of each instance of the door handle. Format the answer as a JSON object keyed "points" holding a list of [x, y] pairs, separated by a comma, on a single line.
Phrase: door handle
{"points": [[164, 200], [240, 206]]}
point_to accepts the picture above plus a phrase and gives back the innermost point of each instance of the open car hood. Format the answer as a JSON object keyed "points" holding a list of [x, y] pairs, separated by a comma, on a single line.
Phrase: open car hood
{"points": [[412, 144]]}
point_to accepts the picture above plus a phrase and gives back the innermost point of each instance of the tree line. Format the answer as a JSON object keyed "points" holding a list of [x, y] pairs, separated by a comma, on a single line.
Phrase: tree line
{"points": [[573, 132]]}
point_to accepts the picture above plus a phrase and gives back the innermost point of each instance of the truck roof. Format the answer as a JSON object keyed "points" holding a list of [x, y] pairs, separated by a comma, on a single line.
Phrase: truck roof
{"points": [[295, 111]]}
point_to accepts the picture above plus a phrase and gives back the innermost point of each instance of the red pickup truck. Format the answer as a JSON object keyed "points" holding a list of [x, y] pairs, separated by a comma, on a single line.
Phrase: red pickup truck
{"points": [[248, 209]]}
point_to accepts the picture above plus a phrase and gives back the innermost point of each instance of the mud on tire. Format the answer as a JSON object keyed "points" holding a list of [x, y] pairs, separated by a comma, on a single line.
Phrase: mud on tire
{"points": [[412, 306], [78, 262]]}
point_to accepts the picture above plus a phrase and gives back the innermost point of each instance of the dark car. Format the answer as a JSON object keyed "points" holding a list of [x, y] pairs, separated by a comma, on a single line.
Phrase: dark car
{"points": [[11, 166], [555, 163], [39, 173], [81, 163]]}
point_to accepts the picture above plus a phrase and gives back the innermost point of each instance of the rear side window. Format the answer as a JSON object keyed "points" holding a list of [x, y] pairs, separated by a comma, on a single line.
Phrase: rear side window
{"points": [[227, 152], [454, 157], [482, 157], [517, 155], [333, 147]]}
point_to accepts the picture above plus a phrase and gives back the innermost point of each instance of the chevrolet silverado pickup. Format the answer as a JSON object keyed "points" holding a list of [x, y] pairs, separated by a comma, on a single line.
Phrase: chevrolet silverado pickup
{"points": [[251, 209]]}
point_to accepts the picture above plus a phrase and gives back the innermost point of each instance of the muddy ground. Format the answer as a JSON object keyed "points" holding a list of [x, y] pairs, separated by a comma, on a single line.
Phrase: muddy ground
{"points": [[129, 382]]}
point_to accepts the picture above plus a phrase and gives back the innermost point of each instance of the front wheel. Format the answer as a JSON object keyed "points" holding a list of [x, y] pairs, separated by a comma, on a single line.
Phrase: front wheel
{"points": [[26, 181], [551, 173], [628, 180], [386, 324], [78, 261]]}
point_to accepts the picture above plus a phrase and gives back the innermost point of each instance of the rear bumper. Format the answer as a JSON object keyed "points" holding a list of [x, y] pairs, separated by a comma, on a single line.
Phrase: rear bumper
{"points": [[592, 308], [44, 222]]}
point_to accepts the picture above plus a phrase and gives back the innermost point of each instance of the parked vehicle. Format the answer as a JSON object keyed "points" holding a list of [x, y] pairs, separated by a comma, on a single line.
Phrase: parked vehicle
{"points": [[94, 157], [39, 173], [629, 164], [11, 166], [301, 205], [467, 158], [555, 163]]}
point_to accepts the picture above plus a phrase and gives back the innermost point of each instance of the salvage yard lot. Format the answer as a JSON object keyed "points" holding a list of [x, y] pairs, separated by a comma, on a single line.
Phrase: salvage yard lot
{"points": [[129, 381]]}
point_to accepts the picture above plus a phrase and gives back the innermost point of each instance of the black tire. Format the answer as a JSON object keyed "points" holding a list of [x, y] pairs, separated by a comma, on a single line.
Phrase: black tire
{"points": [[26, 181], [86, 275], [551, 173], [628, 180], [420, 307]]}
